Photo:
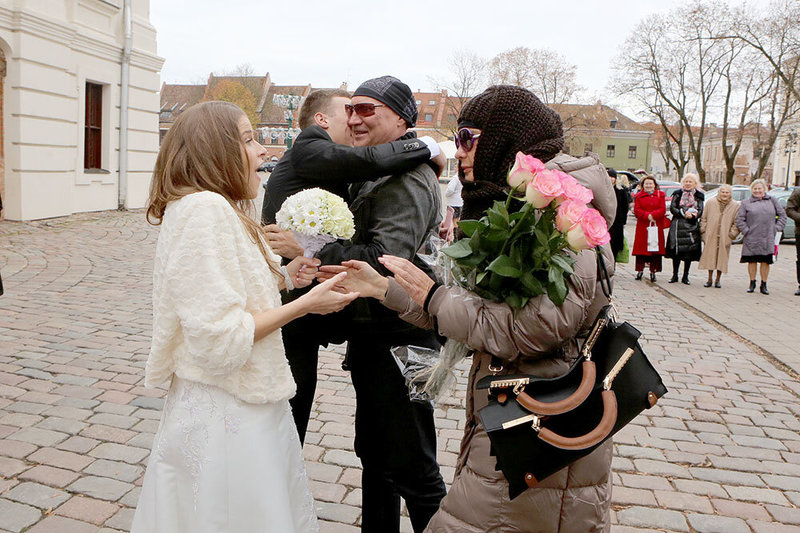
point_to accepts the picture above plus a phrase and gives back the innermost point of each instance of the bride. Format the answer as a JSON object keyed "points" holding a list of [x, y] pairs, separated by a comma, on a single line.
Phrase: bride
{"points": [[226, 457]]}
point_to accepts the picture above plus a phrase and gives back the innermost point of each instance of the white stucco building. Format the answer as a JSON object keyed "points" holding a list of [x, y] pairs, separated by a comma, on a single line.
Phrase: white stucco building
{"points": [[62, 92], [786, 155]]}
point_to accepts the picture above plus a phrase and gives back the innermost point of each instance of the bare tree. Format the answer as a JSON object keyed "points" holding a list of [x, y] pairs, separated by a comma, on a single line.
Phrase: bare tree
{"points": [[771, 114], [746, 83], [466, 78], [545, 72], [654, 74], [672, 66], [775, 35], [773, 38]]}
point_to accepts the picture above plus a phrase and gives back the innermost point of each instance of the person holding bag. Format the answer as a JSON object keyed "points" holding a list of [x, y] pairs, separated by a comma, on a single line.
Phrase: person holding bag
{"points": [[649, 207], [542, 339]]}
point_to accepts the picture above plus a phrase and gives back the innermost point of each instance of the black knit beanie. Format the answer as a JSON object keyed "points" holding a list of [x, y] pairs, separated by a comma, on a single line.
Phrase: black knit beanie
{"points": [[511, 119], [394, 93]]}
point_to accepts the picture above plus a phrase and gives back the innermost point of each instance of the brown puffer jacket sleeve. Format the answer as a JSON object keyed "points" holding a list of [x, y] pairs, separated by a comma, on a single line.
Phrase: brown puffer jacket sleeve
{"points": [[538, 329], [491, 327]]}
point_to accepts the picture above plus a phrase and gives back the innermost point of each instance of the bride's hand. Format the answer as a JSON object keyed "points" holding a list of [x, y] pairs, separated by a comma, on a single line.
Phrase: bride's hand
{"points": [[361, 277], [413, 280], [302, 271], [326, 297]]}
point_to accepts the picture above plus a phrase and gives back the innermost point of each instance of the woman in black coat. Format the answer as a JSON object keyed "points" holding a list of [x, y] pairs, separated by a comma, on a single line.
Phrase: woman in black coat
{"points": [[624, 199], [684, 242]]}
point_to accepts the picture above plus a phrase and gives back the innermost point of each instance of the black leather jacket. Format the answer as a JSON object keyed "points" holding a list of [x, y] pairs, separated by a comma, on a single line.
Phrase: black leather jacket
{"points": [[316, 161]]}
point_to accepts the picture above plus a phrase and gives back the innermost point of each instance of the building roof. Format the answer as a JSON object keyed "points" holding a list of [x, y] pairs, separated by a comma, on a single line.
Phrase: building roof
{"points": [[176, 98], [594, 117]]}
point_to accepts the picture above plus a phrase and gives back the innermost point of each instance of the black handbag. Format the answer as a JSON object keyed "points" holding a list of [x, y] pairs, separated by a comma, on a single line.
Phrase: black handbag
{"points": [[537, 426]]}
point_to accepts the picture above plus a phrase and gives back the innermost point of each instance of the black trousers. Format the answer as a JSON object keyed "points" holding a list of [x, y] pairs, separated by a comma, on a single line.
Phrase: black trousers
{"points": [[395, 440], [301, 341], [676, 265], [797, 264]]}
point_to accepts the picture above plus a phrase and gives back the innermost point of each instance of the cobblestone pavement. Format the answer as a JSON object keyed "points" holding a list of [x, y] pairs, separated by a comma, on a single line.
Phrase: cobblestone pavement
{"points": [[770, 322], [720, 453]]}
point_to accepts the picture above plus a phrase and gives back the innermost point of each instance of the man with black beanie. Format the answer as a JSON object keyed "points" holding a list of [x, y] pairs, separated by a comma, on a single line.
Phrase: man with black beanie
{"points": [[323, 156], [395, 437]]}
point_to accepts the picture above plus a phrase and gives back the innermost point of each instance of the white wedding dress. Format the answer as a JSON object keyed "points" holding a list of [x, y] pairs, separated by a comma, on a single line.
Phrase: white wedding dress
{"points": [[220, 465]]}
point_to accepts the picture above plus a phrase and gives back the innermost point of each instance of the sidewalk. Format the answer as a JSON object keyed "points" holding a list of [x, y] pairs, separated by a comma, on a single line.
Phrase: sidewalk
{"points": [[720, 452], [769, 322]]}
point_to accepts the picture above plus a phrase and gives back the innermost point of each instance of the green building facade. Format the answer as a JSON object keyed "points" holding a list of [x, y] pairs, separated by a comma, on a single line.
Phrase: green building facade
{"points": [[618, 149]]}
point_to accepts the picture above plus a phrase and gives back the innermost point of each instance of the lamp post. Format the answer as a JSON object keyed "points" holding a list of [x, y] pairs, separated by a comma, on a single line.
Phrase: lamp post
{"points": [[289, 116], [790, 147], [289, 102]]}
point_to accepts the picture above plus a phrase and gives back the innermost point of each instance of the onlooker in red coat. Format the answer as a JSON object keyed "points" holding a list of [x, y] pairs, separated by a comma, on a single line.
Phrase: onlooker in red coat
{"points": [[650, 208]]}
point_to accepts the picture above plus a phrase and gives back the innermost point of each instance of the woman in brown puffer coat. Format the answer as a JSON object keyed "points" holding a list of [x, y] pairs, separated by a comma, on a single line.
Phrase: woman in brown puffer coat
{"points": [[542, 339]]}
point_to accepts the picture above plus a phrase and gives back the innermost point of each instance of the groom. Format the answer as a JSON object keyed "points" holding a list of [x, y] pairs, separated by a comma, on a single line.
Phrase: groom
{"points": [[323, 156], [395, 437]]}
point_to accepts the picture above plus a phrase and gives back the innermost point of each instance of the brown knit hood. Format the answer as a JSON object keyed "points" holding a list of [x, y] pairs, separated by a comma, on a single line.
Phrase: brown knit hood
{"points": [[511, 119]]}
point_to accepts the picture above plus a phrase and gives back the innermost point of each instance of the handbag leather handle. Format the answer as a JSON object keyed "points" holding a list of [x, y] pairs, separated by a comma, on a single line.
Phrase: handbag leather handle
{"points": [[593, 437], [567, 404]]}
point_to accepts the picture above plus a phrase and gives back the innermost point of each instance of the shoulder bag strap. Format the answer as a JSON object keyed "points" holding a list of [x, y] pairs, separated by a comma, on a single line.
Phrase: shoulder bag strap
{"points": [[602, 273]]}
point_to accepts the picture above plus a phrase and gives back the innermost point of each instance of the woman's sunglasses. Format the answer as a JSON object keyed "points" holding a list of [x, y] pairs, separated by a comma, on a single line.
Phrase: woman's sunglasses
{"points": [[362, 110], [464, 137]]}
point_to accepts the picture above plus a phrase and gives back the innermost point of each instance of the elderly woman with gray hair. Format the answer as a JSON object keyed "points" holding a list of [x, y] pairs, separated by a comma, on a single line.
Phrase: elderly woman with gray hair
{"points": [[760, 217], [683, 241], [718, 228]]}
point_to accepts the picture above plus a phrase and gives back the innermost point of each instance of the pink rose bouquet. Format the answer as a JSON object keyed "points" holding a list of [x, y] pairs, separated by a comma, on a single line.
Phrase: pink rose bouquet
{"points": [[514, 255], [525, 167], [543, 188], [590, 231]]}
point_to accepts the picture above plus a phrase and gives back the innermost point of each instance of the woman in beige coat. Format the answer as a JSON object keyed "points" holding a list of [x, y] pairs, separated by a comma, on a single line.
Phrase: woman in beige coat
{"points": [[718, 228], [542, 339]]}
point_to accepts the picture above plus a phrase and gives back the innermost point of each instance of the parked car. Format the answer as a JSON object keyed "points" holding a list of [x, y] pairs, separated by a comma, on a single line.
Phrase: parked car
{"points": [[739, 192], [782, 195], [633, 179], [268, 166], [668, 187]]}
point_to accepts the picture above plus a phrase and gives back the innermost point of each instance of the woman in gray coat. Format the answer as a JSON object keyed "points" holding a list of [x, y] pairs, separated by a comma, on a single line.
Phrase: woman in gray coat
{"points": [[760, 217]]}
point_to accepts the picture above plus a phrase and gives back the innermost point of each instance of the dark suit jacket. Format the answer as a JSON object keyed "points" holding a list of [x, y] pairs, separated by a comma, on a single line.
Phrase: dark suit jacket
{"points": [[316, 161]]}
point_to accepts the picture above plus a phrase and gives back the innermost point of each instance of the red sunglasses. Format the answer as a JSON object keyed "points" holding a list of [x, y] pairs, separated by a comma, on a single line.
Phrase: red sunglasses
{"points": [[362, 110], [464, 137]]}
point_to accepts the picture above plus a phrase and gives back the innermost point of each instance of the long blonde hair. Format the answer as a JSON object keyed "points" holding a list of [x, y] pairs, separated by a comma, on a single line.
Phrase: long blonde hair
{"points": [[202, 151]]}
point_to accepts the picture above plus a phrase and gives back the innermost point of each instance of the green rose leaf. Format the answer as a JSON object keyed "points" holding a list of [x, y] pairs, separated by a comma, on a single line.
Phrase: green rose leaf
{"points": [[458, 250], [505, 266], [516, 301], [562, 262], [469, 226]]}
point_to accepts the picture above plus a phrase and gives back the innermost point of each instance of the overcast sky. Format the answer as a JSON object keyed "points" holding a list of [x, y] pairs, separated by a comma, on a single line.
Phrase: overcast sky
{"points": [[324, 42]]}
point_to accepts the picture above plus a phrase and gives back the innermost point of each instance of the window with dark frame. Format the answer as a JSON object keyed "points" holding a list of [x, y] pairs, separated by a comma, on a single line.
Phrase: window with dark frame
{"points": [[587, 147], [92, 141], [610, 151], [631, 152]]}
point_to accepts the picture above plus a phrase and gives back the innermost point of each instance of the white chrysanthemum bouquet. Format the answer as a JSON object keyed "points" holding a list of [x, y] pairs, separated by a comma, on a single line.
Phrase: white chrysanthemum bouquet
{"points": [[316, 217]]}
